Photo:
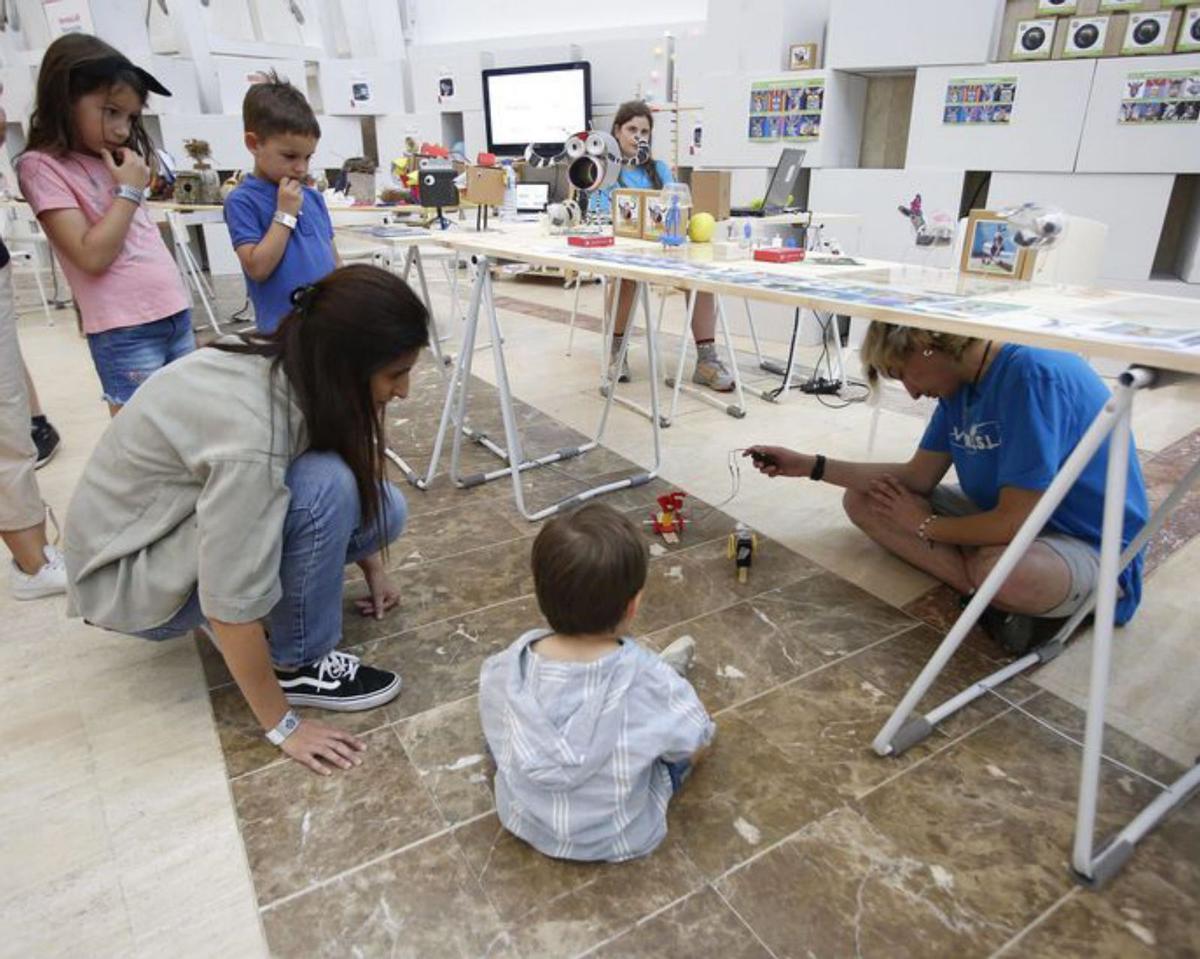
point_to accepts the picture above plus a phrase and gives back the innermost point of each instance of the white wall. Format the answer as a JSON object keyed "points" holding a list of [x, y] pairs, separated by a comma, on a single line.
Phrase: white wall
{"points": [[875, 196], [891, 34], [234, 77], [1133, 208], [1109, 146], [1044, 132], [436, 21], [336, 77]]}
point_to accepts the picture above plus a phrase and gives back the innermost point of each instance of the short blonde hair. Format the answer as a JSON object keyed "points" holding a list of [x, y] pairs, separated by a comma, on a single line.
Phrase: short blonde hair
{"points": [[887, 346]]}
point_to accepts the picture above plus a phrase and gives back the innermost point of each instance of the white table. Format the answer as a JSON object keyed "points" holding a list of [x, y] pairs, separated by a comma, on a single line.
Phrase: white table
{"points": [[1157, 336]]}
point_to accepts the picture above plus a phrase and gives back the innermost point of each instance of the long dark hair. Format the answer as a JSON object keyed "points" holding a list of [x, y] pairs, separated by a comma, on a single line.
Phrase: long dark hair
{"points": [[342, 330], [69, 71], [626, 112]]}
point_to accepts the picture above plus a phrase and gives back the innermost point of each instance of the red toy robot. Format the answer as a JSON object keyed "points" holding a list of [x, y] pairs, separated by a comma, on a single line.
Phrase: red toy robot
{"points": [[669, 521]]}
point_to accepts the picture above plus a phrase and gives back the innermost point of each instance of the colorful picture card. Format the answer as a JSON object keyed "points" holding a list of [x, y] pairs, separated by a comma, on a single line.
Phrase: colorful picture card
{"points": [[976, 100], [1161, 97], [786, 109]]}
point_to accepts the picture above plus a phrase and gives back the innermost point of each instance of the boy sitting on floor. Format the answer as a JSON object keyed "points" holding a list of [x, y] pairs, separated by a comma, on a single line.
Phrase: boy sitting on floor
{"points": [[591, 733]]}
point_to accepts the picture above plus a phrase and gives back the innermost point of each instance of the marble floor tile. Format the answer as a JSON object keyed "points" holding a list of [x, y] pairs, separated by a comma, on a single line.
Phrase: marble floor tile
{"points": [[1019, 780], [300, 829], [774, 567], [444, 588], [438, 534], [81, 913], [824, 724], [702, 924], [738, 655], [554, 908], [417, 904], [744, 795], [895, 664], [439, 663], [448, 749], [830, 615], [842, 887], [681, 586], [241, 735]]}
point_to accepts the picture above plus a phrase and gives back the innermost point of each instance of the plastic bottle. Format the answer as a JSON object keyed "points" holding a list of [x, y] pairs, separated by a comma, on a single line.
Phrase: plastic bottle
{"points": [[509, 210]]}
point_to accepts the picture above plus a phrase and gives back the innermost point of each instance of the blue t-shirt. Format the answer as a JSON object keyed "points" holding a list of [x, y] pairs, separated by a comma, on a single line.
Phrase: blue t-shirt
{"points": [[307, 258], [630, 178], [1019, 426]]}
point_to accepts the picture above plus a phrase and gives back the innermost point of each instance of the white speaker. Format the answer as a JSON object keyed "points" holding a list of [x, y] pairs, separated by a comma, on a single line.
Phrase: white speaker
{"points": [[1189, 32], [1034, 39], [1086, 36], [1147, 33]]}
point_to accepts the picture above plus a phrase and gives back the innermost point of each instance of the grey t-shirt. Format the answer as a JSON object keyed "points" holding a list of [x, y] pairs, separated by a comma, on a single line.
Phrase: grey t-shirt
{"points": [[186, 487]]}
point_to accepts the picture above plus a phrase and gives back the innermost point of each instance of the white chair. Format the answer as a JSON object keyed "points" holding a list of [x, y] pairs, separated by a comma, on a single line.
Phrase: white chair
{"points": [[27, 259], [190, 268]]}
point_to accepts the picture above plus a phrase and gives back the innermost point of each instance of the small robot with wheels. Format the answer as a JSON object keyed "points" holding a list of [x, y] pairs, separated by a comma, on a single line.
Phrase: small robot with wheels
{"points": [[669, 520], [742, 545]]}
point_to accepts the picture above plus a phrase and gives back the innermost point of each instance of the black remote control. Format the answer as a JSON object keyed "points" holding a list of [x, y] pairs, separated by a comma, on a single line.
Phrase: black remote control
{"points": [[760, 458]]}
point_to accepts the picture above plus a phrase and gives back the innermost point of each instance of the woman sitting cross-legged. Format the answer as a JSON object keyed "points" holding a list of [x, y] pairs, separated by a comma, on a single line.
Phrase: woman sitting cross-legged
{"points": [[1007, 418], [237, 484]]}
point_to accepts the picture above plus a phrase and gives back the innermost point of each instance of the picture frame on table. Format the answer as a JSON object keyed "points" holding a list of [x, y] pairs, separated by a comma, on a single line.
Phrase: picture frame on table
{"points": [[802, 56], [990, 250]]}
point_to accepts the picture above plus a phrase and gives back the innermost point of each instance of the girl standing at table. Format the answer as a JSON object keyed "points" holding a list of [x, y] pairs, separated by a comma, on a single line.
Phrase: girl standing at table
{"points": [[84, 174], [631, 126]]}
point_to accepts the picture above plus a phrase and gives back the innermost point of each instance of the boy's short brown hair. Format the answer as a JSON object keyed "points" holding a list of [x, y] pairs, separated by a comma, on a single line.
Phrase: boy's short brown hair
{"points": [[587, 566], [273, 107]]}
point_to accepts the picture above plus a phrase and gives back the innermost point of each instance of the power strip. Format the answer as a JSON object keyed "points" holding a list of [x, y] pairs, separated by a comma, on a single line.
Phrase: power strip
{"points": [[821, 386]]}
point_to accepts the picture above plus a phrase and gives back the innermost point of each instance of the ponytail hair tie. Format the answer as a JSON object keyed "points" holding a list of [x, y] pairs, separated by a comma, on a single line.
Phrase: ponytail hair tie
{"points": [[303, 297]]}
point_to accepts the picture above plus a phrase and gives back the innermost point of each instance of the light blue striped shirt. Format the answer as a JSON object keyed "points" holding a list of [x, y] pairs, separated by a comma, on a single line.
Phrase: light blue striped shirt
{"points": [[580, 748]]}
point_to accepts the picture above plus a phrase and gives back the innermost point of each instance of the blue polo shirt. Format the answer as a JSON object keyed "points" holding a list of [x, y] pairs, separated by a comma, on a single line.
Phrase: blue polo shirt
{"points": [[307, 258], [1018, 428]]}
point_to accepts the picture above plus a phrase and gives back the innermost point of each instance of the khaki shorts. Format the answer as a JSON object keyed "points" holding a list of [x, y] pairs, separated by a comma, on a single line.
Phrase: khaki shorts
{"points": [[20, 502], [1082, 559]]}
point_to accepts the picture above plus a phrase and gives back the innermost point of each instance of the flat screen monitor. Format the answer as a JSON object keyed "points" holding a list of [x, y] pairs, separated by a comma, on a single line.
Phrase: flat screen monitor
{"points": [[542, 104]]}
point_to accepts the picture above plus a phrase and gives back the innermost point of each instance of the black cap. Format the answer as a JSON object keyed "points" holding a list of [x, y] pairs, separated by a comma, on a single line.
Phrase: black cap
{"points": [[110, 66]]}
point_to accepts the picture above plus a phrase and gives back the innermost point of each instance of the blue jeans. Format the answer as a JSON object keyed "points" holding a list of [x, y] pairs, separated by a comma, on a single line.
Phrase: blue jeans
{"points": [[125, 357], [323, 532], [679, 773]]}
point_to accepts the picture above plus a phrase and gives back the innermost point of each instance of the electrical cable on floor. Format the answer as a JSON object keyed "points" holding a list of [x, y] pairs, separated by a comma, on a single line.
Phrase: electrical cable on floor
{"points": [[1071, 739]]}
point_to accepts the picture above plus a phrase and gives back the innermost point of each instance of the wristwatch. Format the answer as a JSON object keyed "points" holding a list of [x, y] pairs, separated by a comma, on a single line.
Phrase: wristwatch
{"points": [[818, 469], [284, 728], [123, 191], [285, 218]]}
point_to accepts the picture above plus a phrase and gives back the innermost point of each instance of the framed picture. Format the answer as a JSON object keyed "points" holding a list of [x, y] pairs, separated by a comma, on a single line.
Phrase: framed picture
{"points": [[802, 56], [1056, 6], [1189, 33], [989, 248], [1034, 39], [627, 206], [1147, 33], [1086, 37]]}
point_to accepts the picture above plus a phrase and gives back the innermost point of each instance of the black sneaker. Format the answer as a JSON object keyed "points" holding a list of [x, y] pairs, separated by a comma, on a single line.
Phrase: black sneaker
{"points": [[1016, 632], [339, 682], [45, 438]]}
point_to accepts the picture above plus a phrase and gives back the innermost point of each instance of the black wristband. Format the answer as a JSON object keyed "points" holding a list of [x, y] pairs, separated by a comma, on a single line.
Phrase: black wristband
{"points": [[818, 469]]}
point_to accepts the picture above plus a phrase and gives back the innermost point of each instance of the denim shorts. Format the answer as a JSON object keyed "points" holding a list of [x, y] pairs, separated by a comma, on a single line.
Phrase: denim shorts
{"points": [[125, 357]]}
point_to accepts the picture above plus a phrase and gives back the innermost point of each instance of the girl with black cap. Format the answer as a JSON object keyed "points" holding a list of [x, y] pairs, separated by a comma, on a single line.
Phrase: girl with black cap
{"points": [[84, 174]]}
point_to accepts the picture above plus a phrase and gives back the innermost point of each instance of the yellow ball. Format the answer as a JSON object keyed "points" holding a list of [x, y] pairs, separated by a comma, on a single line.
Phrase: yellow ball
{"points": [[701, 228]]}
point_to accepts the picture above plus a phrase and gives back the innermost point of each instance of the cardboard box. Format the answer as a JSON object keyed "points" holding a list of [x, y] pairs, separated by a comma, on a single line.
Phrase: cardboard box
{"points": [[485, 185], [628, 210], [710, 192]]}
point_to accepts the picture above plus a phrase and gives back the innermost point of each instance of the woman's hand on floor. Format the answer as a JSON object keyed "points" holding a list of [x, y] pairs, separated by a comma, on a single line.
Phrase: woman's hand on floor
{"points": [[384, 595], [323, 748]]}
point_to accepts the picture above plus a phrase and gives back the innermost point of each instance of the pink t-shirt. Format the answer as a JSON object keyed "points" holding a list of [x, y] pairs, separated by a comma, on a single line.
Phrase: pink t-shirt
{"points": [[142, 284]]}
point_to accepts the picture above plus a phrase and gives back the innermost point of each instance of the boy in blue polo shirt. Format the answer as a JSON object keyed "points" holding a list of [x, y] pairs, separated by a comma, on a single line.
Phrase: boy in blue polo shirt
{"points": [[281, 230]]}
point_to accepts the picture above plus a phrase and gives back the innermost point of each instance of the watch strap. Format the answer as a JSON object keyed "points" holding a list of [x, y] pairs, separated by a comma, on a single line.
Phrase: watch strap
{"points": [[818, 469], [285, 218], [284, 728], [123, 191]]}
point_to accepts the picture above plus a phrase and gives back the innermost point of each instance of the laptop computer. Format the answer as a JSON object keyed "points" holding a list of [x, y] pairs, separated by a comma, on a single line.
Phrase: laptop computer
{"points": [[532, 197], [783, 185]]}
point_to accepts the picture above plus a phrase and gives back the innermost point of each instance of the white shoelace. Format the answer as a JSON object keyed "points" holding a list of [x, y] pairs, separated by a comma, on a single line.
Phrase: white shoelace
{"points": [[336, 665]]}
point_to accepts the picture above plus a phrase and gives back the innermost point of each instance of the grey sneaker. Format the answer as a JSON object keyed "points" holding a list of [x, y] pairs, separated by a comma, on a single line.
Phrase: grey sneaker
{"points": [[712, 372], [47, 581], [679, 654], [623, 374]]}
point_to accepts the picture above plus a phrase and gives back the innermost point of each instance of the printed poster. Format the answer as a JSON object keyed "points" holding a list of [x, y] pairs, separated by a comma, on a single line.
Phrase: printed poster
{"points": [[67, 16], [979, 100], [786, 108], [1161, 96]]}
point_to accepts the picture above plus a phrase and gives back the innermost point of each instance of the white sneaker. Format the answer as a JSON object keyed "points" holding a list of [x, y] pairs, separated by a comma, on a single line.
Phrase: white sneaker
{"points": [[47, 581], [679, 654]]}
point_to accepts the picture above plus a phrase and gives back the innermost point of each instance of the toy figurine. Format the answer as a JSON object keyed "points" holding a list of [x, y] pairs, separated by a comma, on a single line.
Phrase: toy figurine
{"points": [[742, 544], [669, 521]]}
